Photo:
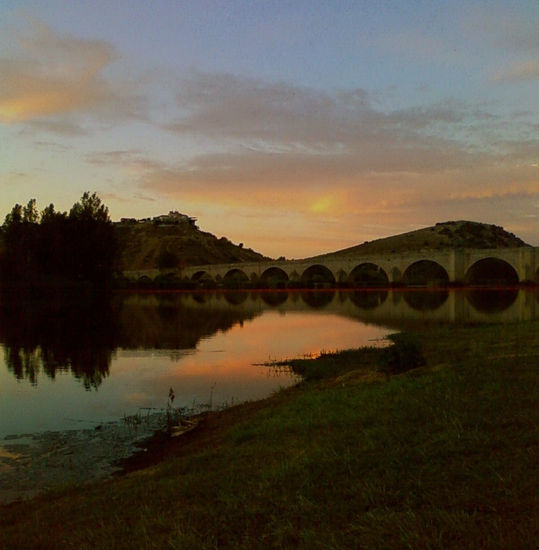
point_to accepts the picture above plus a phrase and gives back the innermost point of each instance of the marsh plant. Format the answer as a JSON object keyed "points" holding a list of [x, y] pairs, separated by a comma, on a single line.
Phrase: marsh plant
{"points": [[405, 354], [173, 415]]}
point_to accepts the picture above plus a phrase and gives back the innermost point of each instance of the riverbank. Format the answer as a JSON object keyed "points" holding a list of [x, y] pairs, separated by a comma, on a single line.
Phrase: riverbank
{"points": [[440, 456], [31, 464]]}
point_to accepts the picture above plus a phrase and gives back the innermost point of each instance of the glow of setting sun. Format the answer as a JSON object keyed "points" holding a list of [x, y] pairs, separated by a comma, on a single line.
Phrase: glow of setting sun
{"points": [[323, 205], [28, 106]]}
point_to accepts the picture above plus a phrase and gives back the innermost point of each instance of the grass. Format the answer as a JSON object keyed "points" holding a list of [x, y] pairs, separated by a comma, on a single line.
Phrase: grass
{"points": [[441, 456]]}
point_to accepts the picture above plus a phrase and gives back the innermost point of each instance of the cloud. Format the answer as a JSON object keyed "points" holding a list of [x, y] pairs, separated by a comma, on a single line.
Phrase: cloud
{"points": [[274, 137], [504, 27], [271, 128], [332, 157], [527, 70], [50, 79], [235, 108]]}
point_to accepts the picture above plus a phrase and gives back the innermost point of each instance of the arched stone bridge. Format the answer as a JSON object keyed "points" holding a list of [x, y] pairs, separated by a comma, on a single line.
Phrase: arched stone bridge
{"points": [[431, 267]]}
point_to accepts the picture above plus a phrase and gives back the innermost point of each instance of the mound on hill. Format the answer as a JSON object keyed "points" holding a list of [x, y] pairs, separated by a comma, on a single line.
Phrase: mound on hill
{"points": [[154, 244], [453, 234]]}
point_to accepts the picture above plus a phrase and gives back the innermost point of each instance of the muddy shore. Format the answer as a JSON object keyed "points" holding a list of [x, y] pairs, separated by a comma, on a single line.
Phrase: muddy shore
{"points": [[31, 464]]}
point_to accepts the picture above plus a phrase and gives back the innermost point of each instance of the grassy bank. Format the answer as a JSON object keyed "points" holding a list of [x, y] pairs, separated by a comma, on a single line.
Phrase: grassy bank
{"points": [[441, 456]]}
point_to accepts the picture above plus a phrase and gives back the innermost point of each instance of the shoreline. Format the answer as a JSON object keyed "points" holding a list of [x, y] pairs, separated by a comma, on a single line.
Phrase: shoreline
{"points": [[36, 463]]}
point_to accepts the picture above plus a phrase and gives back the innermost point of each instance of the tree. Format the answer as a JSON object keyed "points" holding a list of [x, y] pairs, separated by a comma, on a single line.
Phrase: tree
{"points": [[53, 251], [91, 241], [30, 212], [14, 217], [49, 215], [89, 208], [54, 247]]}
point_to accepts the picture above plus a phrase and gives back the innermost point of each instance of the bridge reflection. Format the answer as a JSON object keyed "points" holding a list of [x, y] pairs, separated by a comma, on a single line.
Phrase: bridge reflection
{"points": [[51, 336], [386, 306]]}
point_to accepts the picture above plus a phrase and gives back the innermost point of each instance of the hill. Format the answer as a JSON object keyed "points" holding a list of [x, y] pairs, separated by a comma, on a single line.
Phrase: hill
{"points": [[172, 241], [453, 234]]}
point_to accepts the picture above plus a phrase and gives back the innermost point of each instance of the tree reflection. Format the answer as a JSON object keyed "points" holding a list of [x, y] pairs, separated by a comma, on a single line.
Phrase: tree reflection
{"points": [[67, 333], [174, 321], [57, 333]]}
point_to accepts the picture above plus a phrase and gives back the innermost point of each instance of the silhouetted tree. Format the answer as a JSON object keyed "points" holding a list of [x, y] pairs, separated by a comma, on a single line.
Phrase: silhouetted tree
{"points": [[53, 251], [92, 241], [20, 243], [57, 247]]}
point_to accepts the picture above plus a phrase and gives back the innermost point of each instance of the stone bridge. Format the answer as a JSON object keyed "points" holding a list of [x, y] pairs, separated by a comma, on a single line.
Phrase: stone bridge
{"points": [[422, 267]]}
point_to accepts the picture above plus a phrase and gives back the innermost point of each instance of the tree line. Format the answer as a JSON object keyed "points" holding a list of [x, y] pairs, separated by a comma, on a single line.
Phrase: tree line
{"points": [[57, 248]]}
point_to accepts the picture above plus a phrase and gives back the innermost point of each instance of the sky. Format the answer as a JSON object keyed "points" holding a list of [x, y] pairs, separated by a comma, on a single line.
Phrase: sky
{"points": [[294, 127]]}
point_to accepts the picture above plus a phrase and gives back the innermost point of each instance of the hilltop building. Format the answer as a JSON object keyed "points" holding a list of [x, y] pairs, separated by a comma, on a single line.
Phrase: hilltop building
{"points": [[172, 218]]}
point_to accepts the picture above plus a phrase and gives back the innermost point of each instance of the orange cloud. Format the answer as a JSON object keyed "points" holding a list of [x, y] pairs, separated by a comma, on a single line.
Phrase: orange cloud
{"points": [[527, 70], [50, 75]]}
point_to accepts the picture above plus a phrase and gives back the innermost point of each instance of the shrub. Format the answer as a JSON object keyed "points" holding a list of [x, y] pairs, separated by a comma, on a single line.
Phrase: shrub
{"points": [[405, 354]]}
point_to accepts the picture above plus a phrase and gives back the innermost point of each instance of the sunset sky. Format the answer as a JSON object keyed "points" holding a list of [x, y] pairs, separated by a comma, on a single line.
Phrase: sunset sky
{"points": [[295, 127]]}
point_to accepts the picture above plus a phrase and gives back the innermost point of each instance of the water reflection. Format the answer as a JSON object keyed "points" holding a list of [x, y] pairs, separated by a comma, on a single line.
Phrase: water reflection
{"points": [[58, 335], [428, 300], [81, 337], [492, 301], [274, 298], [236, 297], [317, 299], [176, 321], [368, 299]]}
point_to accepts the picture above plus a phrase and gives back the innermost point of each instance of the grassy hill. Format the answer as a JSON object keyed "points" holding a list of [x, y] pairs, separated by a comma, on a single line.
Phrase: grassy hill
{"points": [[151, 245], [453, 234]]}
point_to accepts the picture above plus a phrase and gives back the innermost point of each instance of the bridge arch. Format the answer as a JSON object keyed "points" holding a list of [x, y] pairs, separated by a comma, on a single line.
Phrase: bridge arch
{"points": [[368, 274], [235, 277], [144, 281], [274, 277], [425, 273], [201, 275], [318, 274], [491, 271]]}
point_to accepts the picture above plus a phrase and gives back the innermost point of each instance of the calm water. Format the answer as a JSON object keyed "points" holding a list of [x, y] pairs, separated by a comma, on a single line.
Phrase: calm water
{"points": [[65, 366]]}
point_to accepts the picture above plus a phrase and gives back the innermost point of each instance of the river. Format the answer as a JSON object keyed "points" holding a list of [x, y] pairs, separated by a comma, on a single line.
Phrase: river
{"points": [[69, 366]]}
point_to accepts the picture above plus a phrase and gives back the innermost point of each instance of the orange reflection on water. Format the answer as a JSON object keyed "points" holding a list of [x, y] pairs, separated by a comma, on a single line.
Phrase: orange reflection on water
{"points": [[227, 366]]}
